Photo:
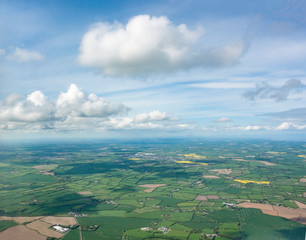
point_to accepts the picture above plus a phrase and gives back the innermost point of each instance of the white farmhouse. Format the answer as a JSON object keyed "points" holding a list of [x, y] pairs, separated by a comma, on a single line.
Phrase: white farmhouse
{"points": [[60, 229]]}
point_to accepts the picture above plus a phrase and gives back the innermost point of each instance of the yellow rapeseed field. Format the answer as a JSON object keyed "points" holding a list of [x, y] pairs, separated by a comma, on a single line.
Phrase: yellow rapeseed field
{"points": [[276, 152], [134, 159], [303, 156], [190, 162], [251, 181], [193, 155]]}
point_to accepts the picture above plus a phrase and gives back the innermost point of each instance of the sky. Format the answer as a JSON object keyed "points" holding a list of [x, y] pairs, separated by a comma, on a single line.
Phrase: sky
{"points": [[153, 69]]}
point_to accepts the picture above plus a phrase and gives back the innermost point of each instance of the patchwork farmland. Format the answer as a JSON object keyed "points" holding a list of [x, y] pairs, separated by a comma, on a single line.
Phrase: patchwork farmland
{"points": [[180, 190]]}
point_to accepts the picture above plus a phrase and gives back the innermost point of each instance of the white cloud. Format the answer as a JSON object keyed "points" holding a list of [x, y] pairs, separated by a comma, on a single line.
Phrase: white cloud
{"points": [[264, 90], [74, 110], [34, 109], [149, 45], [231, 127], [152, 116], [2, 52], [282, 126], [223, 119], [184, 126], [255, 128], [247, 128], [38, 98], [12, 99], [28, 127], [75, 103], [290, 125], [223, 85], [123, 123], [151, 120], [24, 55], [129, 123], [71, 107]]}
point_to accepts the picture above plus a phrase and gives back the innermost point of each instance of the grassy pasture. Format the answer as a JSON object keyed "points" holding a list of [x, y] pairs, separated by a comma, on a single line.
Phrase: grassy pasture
{"points": [[117, 200], [113, 227], [229, 230], [7, 224], [172, 234], [72, 235], [31, 178], [167, 201], [261, 226], [149, 215], [139, 234]]}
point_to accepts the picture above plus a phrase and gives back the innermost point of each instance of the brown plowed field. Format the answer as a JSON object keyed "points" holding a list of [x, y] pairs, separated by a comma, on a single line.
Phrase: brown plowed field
{"points": [[43, 229], [65, 221], [206, 197], [240, 160], [47, 173], [151, 187], [45, 167], [85, 193], [20, 219], [210, 176], [298, 215], [267, 163], [225, 171], [20, 232], [300, 205]]}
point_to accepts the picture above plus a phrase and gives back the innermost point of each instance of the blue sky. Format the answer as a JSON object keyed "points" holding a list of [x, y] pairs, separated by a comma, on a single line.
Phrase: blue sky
{"points": [[153, 69]]}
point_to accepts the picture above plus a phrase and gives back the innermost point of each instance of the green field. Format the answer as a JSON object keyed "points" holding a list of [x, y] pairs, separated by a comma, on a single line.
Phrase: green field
{"points": [[99, 184], [7, 224]]}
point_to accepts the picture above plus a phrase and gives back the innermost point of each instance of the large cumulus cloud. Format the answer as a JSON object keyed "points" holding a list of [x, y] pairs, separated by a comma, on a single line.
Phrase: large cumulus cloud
{"points": [[148, 45], [75, 103], [73, 107], [35, 108], [75, 110]]}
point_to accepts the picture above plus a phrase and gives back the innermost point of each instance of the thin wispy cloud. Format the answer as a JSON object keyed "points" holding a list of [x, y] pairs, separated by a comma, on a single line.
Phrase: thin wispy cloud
{"points": [[24, 55], [2, 52], [271, 128], [298, 113], [266, 91], [223, 85], [223, 120]]}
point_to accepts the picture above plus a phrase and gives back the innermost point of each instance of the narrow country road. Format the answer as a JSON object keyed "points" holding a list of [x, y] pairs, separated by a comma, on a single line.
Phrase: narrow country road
{"points": [[81, 238]]}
